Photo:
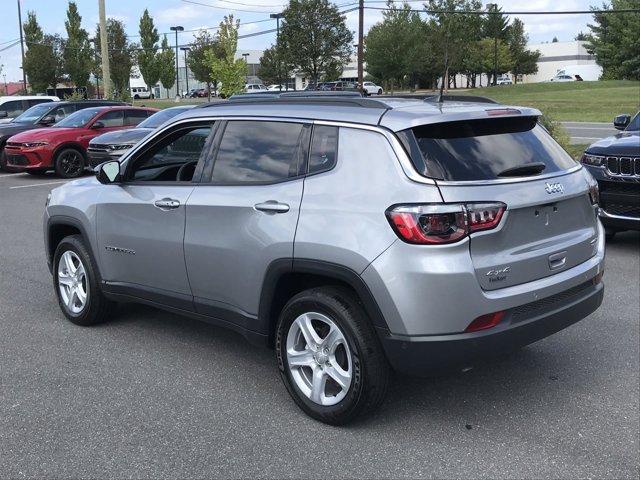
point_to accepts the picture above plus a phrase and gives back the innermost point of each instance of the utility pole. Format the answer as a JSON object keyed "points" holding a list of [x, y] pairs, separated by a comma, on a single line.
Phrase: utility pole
{"points": [[177, 28], [186, 67], [104, 51], [360, 42], [494, 7], [246, 77], [24, 75]]}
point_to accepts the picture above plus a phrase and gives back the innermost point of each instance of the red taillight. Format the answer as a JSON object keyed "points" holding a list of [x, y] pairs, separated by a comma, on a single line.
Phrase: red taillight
{"points": [[485, 321], [433, 224]]}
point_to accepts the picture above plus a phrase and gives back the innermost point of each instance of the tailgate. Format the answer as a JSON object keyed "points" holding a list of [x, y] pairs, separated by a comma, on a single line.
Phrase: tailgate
{"points": [[550, 225]]}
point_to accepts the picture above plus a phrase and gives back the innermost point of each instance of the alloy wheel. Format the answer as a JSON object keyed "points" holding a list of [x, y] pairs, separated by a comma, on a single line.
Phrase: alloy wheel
{"points": [[319, 358], [72, 282], [71, 163]]}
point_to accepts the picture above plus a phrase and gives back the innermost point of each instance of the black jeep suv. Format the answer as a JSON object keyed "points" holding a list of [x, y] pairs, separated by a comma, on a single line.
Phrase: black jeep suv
{"points": [[43, 115], [615, 164]]}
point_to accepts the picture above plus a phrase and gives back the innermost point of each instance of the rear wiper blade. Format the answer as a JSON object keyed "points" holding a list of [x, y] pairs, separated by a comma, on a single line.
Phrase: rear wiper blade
{"points": [[523, 170]]}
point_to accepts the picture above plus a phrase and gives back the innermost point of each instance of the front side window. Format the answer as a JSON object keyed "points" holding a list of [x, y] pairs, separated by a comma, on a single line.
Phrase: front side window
{"points": [[33, 114], [174, 158], [13, 108], [634, 125], [80, 118], [63, 112], [256, 152]]}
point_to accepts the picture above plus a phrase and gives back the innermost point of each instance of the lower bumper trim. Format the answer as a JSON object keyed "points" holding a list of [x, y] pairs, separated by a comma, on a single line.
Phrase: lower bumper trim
{"points": [[430, 354]]}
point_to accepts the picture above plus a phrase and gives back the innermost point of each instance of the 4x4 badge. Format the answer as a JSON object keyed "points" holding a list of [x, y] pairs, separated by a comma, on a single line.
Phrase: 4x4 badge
{"points": [[553, 188]]}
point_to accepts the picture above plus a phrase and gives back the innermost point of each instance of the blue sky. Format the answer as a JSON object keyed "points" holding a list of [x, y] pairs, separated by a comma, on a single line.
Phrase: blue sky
{"points": [[51, 15]]}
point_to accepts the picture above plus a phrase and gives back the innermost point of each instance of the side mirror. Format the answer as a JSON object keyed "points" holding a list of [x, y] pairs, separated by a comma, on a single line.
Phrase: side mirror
{"points": [[97, 126], [621, 121], [47, 120], [108, 172], [3, 114]]}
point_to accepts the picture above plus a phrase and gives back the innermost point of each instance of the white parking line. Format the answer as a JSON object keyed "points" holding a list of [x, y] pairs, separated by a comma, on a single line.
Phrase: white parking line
{"points": [[7, 174], [586, 138], [607, 129], [37, 184]]}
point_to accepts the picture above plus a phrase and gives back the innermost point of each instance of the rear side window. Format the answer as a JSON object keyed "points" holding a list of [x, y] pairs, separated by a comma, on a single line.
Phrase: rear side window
{"points": [[13, 108], [482, 149], [134, 117], [112, 118], [256, 152], [324, 148]]}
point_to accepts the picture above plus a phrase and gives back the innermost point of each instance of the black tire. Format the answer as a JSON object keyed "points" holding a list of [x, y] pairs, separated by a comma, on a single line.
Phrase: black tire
{"points": [[380, 92], [97, 308], [370, 369], [69, 163]]}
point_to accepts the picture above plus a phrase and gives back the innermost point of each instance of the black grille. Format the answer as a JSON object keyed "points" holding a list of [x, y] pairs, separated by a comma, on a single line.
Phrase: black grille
{"points": [[17, 160], [539, 307], [623, 210], [98, 147], [618, 187], [623, 166]]}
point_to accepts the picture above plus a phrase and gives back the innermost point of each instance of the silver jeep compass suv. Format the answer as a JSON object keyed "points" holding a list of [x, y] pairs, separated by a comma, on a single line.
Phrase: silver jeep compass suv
{"points": [[353, 236]]}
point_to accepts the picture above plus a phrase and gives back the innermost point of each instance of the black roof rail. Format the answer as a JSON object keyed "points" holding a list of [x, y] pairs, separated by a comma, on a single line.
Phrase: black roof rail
{"points": [[433, 97], [301, 99]]}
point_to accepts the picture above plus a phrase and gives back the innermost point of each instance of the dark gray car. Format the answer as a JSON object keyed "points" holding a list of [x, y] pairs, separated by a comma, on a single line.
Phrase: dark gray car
{"points": [[353, 236], [113, 145]]}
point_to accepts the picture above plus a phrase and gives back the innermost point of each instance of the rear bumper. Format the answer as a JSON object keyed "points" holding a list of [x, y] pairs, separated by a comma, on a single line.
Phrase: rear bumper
{"points": [[522, 326], [619, 221]]}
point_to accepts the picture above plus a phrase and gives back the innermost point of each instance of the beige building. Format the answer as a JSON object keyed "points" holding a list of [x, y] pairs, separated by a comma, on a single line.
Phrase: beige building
{"points": [[559, 56]]}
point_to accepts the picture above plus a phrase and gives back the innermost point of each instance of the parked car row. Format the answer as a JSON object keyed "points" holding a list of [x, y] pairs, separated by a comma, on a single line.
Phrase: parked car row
{"points": [[56, 135], [12, 106]]}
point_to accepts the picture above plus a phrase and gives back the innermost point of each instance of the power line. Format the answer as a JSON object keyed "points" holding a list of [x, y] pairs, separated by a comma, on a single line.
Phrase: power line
{"points": [[194, 2]]}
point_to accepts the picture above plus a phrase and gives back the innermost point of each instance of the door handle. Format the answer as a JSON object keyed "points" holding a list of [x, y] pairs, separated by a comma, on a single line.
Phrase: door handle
{"points": [[167, 204], [272, 206]]}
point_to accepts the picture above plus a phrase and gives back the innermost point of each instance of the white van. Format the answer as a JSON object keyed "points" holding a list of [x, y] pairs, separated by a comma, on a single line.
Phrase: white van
{"points": [[12, 106], [140, 92]]}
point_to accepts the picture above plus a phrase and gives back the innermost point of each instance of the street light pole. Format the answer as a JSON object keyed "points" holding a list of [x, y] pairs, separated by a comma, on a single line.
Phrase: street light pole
{"points": [[104, 51], [278, 16], [360, 42], [186, 67], [177, 28]]}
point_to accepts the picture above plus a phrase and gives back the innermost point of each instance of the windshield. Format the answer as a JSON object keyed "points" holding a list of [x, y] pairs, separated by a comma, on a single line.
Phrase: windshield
{"points": [[80, 118], [483, 149], [157, 119], [33, 114], [634, 125]]}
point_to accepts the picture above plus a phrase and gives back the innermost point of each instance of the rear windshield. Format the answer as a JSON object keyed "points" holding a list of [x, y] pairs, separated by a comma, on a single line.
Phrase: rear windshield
{"points": [[482, 149]]}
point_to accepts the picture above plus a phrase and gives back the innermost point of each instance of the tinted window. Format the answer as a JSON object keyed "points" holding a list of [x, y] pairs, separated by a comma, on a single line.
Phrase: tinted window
{"points": [[62, 112], [324, 148], [164, 161], [13, 108], [482, 149], [112, 118], [258, 152], [134, 117], [634, 124], [79, 118], [37, 101], [33, 114], [158, 118]]}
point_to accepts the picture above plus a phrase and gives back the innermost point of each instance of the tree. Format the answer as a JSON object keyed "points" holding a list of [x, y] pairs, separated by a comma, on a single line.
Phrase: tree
{"points": [[554, 40], [231, 72], [43, 60], [121, 56], [394, 48], [274, 67], [615, 42], [450, 33], [581, 36], [524, 61], [204, 42], [496, 25], [77, 53], [167, 60], [148, 54], [314, 36], [488, 48]]}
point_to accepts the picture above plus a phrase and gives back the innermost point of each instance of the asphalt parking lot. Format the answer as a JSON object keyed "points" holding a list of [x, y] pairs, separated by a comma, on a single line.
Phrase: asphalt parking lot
{"points": [[152, 394]]}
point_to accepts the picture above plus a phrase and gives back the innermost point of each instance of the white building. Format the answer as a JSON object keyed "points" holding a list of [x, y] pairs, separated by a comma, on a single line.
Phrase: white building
{"points": [[558, 56]]}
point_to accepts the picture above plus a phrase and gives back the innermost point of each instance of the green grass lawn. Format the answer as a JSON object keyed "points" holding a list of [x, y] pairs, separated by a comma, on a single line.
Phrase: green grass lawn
{"points": [[570, 101]]}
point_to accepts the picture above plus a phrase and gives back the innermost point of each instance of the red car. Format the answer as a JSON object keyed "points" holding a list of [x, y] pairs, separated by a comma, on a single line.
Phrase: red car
{"points": [[63, 146]]}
